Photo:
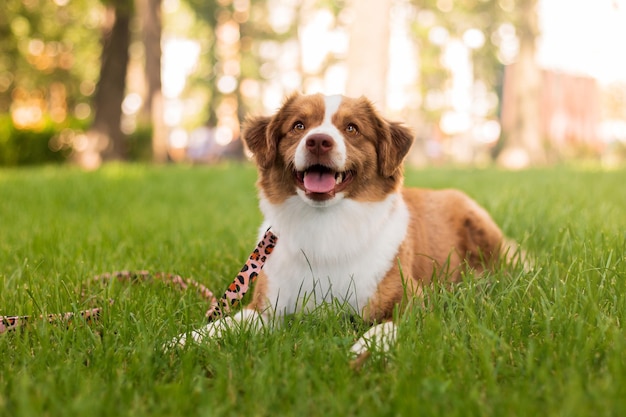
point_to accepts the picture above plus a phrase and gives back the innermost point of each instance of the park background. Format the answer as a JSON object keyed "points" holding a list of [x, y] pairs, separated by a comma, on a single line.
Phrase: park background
{"points": [[85, 84], [481, 82]]}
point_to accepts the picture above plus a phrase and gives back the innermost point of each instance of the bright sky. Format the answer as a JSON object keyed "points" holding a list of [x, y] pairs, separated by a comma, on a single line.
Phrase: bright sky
{"points": [[585, 37]]}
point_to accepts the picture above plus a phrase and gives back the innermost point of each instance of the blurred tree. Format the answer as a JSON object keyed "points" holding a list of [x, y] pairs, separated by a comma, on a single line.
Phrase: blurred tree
{"points": [[207, 12], [369, 37], [41, 43], [152, 111], [498, 33], [524, 144], [105, 137], [439, 21], [231, 68]]}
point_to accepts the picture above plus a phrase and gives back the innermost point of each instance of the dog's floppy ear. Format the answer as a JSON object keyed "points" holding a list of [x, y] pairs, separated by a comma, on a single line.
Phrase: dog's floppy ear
{"points": [[393, 148], [262, 134], [256, 134]]}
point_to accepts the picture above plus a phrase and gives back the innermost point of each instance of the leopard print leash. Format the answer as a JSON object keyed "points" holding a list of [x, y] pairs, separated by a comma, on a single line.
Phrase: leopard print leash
{"points": [[217, 308]]}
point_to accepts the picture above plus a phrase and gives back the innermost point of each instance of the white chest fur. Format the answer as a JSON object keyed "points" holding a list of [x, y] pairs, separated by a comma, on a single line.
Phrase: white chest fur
{"points": [[338, 252]]}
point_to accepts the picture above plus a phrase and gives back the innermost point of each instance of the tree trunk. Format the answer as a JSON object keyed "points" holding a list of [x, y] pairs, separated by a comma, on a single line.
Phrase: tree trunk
{"points": [[105, 138], [369, 50], [524, 143], [152, 113]]}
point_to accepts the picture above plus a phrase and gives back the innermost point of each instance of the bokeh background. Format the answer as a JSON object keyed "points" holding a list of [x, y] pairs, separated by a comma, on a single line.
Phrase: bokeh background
{"points": [[515, 83]]}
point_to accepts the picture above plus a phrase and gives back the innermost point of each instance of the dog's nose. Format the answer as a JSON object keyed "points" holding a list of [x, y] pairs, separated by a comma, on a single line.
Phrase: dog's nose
{"points": [[319, 144]]}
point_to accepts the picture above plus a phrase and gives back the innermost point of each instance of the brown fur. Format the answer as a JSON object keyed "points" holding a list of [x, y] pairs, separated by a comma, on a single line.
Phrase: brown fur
{"points": [[448, 234]]}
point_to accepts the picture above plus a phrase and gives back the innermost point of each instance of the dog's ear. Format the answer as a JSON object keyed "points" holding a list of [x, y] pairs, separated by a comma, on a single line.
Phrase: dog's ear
{"points": [[256, 134], [393, 148], [262, 134]]}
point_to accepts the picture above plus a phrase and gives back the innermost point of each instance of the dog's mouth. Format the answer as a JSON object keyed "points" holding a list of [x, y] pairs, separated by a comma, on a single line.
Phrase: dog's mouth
{"points": [[321, 182]]}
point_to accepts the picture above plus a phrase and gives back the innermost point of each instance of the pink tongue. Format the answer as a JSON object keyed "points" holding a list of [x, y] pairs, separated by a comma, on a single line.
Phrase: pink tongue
{"points": [[319, 182]]}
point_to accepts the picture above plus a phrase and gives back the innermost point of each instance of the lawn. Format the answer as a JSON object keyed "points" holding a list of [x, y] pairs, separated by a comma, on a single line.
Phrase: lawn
{"points": [[545, 342]]}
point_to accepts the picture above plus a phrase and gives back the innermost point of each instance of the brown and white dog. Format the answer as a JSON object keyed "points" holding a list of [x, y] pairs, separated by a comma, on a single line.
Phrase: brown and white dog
{"points": [[330, 186]]}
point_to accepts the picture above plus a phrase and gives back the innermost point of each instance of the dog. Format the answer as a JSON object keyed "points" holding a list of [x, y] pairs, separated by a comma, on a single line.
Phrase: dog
{"points": [[330, 183]]}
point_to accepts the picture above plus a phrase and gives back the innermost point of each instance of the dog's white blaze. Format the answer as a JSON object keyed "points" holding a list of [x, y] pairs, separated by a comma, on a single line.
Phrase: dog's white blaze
{"points": [[338, 154], [331, 104], [341, 251]]}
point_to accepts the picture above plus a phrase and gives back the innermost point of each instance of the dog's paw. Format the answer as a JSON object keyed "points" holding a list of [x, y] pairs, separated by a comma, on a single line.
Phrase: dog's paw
{"points": [[181, 340], [245, 319], [379, 338]]}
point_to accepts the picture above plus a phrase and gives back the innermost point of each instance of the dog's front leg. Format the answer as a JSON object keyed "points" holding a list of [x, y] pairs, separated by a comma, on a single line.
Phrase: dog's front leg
{"points": [[380, 337], [243, 320]]}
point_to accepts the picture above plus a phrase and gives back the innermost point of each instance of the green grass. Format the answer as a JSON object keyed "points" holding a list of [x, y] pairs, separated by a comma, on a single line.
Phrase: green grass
{"points": [[547, 342]]}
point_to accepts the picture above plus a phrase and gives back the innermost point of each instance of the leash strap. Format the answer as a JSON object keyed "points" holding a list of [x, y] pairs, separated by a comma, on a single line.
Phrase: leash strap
{"points": [[218, 308], [248, 274]]}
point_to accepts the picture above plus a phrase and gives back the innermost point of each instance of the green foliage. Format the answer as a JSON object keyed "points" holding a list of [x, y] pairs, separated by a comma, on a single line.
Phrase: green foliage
{"points": [[456, 17], [43, 43], [32, 146], [140, 144], [253, 23], [52, 142], [547, 342]]}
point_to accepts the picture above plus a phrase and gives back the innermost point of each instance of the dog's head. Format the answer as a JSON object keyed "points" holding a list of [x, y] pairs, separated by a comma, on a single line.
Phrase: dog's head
{"points": [[326, 148]]}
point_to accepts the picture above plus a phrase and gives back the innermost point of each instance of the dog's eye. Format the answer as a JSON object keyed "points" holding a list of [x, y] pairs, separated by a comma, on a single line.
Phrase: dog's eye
{"points": [[298, 126], [352, 129]]}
